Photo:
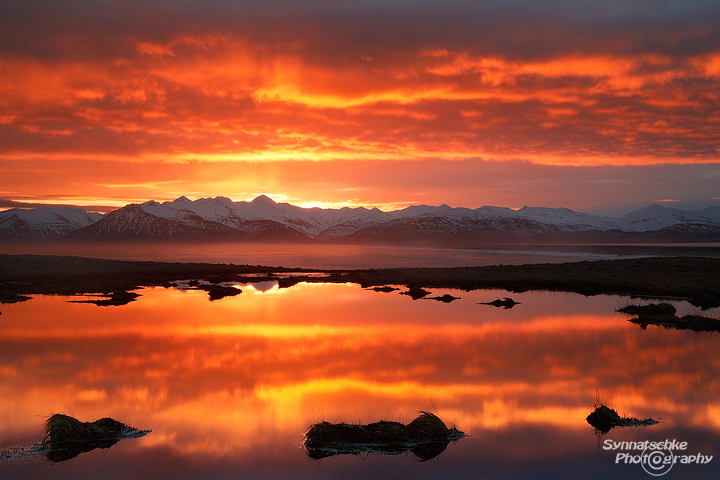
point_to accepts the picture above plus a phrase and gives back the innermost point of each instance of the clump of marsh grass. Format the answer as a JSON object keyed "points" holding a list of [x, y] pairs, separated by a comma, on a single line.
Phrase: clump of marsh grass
{"points": [[603, 419], [66, 437], [426, 437]]}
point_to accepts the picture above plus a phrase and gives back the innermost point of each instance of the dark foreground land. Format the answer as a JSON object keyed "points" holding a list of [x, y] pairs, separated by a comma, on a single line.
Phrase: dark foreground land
{"points": [[696, 279]]}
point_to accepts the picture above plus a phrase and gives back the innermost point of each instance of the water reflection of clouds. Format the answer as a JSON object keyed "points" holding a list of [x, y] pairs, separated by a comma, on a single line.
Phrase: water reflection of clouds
{"points": [[214, 378]]}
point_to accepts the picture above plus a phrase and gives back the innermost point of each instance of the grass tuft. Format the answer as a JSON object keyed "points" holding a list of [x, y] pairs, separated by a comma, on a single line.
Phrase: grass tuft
{"points": [[426, 437]]}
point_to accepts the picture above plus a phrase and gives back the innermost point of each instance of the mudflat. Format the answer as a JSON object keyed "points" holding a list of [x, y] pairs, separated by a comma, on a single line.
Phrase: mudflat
{"points": [[696, 279]]}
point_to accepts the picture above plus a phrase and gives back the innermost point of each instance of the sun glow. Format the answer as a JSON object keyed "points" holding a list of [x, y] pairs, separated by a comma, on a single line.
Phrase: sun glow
{"points": [[237, 102]]}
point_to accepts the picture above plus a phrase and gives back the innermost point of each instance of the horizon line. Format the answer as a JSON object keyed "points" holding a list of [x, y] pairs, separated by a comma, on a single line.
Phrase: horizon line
{"points": [[9, 204]]}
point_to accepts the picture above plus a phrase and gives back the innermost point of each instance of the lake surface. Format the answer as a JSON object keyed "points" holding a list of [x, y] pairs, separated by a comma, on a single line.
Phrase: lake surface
{"points": [[229, 387], [340, 256]]}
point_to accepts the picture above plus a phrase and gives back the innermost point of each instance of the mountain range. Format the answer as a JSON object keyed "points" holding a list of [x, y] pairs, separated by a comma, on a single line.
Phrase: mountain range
{"points": [[263, 219]]}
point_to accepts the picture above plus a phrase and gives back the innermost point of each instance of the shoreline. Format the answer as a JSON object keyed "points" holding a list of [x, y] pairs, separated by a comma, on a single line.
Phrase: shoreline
{"points": [[695, 279]]}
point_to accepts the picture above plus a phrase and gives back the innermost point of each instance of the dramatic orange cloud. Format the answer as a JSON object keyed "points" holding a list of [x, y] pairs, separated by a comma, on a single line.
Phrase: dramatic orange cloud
{"points": [[253, 86], [223, 97]]}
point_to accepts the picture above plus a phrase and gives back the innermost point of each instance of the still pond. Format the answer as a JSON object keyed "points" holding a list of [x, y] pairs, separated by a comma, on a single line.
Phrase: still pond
{"points": [[229, 387]]}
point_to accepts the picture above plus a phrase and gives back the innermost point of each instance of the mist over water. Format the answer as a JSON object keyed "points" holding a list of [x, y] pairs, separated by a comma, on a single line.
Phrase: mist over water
{"points": [[341, 256]]}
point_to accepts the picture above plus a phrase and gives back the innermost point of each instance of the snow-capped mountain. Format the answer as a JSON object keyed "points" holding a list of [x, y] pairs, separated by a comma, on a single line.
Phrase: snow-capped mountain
{"points": [[169, 220], [44, 222], [264, 219], [656, 217], [452, 228], [309, 221]]}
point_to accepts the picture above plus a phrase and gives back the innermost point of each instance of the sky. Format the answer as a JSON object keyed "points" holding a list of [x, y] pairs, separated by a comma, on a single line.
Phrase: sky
{"points": [[601, 107]]}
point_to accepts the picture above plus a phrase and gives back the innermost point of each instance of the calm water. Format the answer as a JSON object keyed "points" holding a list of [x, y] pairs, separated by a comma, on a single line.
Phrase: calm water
{"points": [[228, 387], [354, 256]]}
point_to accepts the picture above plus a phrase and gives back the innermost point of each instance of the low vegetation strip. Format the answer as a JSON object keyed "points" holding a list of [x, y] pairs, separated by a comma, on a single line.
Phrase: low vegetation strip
{"points": [[688, 277], [692, 278], [64, 275], [663, 315]]}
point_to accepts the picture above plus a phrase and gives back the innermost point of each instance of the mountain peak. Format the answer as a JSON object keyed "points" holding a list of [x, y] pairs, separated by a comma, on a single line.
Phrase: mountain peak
{"points": [[655, 207], [650, 211], [263, 200]]}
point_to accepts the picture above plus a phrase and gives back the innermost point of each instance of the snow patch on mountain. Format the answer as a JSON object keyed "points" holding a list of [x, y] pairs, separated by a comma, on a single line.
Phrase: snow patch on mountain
{"points": [[566, 218], [44, 221], [308, 221], [656, 217]]}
